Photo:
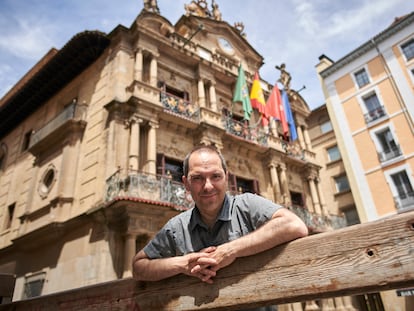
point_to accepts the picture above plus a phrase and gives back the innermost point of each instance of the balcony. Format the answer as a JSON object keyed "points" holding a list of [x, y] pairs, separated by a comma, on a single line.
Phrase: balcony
{"points": [[180, 107], [389, 154], [404, 202], [148, 187], [374, 114], [69, 121], [243, 130], [318, 223]]}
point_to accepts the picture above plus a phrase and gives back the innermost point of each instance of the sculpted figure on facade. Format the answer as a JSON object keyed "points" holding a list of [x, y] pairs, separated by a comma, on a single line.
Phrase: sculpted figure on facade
{"points": [[216, 11], [151, 6], [197, 8], [284, 76]]}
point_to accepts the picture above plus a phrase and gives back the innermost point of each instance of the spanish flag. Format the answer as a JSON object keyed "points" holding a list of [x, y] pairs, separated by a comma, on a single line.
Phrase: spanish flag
{"points": [[257, 98]]}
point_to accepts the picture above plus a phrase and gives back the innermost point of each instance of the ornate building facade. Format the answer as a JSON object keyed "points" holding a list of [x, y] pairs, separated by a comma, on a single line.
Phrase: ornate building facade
{"points": [[92, 140]]}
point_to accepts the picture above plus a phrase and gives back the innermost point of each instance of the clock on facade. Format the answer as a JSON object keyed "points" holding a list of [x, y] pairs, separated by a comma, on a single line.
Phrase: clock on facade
{"points": [[225, 45]]}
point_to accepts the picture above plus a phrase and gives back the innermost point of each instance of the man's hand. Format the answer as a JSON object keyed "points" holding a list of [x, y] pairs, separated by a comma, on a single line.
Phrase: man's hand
{"points": [[200, 264]]}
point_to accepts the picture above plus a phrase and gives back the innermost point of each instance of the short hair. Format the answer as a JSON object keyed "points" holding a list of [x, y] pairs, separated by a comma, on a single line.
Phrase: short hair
{"points": [[208, 148]]}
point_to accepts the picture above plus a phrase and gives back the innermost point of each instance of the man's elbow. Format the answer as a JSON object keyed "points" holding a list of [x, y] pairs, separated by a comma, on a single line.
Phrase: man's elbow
{"points": [[300, 229]]}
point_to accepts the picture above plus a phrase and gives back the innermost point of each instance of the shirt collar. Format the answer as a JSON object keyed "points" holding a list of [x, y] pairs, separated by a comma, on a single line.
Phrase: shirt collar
{"points": [[224, 214]]}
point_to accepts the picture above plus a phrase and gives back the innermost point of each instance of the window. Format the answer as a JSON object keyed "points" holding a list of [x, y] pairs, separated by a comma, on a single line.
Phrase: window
{"points": [[10, 215], [333, 153], [297, 198], [241, 185], [408, 49], [326, 127], [404, 189], [351, 216], [361, 78], [167, 166], [341, 183], [388, 147], [34, 285], [374, 108], [47, 181]]}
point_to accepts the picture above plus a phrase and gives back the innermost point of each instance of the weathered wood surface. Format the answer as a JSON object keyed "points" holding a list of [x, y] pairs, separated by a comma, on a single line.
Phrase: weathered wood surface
{"points": [[364, 258]]}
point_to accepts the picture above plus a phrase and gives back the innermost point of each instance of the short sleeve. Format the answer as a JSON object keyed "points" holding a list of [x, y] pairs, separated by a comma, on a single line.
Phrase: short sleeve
{"points": [[162, 245]]}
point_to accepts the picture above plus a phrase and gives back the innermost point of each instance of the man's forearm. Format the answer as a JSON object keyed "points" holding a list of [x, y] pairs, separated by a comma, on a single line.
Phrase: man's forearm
{"points": [[145, 269]]}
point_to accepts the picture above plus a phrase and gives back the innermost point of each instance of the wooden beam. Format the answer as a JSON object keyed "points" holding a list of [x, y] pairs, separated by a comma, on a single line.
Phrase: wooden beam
{"points": [[364, 258]]}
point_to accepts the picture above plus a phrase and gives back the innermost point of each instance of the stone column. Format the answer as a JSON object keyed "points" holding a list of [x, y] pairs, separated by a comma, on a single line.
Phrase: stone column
{"points": [[129, 253], [284, 184], [300, 137], [307, 139], [314, 195], [139, 63], [275, 182], [311, 306], [321, 197], [201, 94], [339, 304], [134, 143], [347, 300], [152, 149], [153, 71], [69, 167], [328, 304], [213, 99], [297, 306]]}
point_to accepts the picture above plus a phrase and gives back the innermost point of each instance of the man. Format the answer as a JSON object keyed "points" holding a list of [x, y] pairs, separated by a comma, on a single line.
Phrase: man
{"points": [[219, 229]]}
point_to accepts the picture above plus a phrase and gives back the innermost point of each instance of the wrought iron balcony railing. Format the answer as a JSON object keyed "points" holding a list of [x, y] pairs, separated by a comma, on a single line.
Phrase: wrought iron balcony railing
{"points": [[318, 222], [255, 134], [374, 114], [180, 107], [146, 186], [390, 154], [405, 201]]}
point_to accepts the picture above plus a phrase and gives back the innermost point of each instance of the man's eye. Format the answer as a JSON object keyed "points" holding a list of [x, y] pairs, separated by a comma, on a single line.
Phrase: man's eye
{"points": [[217, 177], [196, 178]]}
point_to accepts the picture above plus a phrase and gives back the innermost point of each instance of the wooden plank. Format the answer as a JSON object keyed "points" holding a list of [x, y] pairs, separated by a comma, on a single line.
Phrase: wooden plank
{"points": [[364, 258]]}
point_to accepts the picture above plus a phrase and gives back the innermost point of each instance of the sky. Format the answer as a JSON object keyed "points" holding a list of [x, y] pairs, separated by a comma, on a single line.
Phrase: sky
{"points": [[294, 32]]}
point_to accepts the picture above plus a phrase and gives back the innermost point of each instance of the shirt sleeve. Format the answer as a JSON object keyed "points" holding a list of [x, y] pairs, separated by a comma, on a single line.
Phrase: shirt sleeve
{"points": [[162, 245], [259, 209]]}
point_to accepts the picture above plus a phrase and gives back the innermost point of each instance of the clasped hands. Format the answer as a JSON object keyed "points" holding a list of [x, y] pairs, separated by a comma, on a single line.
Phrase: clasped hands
{"points": [[205, 263]]}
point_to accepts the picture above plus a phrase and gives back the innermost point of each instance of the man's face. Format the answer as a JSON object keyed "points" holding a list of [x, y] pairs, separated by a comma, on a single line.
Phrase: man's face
{"points": [[206, 181]]}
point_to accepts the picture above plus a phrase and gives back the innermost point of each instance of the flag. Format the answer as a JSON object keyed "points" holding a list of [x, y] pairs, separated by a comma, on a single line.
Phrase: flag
{"points": [[289, 117], [274, 108], [256, 95], [241, 94]]}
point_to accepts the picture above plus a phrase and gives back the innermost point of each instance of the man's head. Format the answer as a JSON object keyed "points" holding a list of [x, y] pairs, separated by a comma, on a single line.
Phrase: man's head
{"points": [[205, 176]]}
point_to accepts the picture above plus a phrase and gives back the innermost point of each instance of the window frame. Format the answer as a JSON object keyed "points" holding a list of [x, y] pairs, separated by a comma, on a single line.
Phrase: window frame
{"points": [[410, 43], [366, 77], [330, 160]]}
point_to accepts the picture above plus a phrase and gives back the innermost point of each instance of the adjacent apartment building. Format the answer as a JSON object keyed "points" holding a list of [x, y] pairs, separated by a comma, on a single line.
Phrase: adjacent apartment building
{"points": [[370, 102]]}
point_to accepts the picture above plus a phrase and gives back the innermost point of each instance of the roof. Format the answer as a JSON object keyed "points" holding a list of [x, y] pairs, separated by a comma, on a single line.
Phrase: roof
{"points": [[54, 73], [396, 26]]}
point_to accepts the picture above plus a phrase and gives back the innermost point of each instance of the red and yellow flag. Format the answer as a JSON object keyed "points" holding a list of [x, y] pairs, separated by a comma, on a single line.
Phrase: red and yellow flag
{"points": [[256, 95]]}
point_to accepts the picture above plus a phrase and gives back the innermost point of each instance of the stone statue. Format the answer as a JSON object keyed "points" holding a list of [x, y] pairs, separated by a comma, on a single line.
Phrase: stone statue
{"points": [[197, 8], [216, 11], [284, 76], [151, 6]]}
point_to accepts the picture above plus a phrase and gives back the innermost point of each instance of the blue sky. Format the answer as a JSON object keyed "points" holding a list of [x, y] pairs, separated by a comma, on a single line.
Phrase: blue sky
{"points": [[294, 32]]}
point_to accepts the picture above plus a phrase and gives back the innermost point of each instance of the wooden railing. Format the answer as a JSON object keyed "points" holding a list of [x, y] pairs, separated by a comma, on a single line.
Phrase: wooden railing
{"points": [[363, 258]]}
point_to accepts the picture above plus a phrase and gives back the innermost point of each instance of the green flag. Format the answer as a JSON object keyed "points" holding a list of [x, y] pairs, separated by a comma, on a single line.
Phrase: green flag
{"points": [[241, 94]]}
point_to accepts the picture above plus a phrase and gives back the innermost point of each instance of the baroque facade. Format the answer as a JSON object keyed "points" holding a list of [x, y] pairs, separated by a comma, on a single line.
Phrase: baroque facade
{"points": [[92, 140]]}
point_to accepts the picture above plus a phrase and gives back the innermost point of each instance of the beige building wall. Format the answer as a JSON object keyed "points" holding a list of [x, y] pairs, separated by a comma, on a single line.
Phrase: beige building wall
{"points": [[381, 179]]}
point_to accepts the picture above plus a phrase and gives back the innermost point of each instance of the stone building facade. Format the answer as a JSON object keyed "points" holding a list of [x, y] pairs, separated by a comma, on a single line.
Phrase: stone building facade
{"points": [[92, 140]]}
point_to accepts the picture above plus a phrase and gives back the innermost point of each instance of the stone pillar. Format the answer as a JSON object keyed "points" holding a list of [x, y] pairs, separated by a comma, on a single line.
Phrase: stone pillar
{"points": [[213, 98], [119, 77], [307, 139], [129, 253], [321, 197], [339, 304], [314, 195], [328, 304], [153, 71], [300, 137], [284, 184], [311, 306], [201, 94], [297, 306], [275, 182], [134, 143], [139, 63], [347, 300], [152, 149]]}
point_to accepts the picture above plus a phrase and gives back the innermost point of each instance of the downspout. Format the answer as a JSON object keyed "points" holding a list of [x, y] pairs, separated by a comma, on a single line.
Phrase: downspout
{"points": [[394, 87]]}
